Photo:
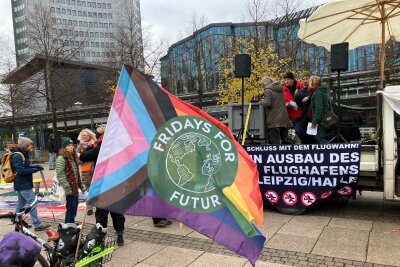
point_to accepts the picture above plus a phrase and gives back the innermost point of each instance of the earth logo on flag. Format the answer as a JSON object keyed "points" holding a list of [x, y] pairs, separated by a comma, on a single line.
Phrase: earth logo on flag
{"points": [[190, 161]]}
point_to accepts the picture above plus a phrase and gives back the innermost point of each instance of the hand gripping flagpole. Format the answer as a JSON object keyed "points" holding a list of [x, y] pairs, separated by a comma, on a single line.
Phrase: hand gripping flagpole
{"points": [[47, 192]]}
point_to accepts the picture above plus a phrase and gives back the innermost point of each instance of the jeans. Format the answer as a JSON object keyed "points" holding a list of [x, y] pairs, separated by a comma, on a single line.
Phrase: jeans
{"points": [[26, 197], [52, 160], [277, 135], [118, 220], [72, 208]]}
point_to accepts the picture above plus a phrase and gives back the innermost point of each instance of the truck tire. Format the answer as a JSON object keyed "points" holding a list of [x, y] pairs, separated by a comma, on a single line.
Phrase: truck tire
{"points": [[288, 211]]}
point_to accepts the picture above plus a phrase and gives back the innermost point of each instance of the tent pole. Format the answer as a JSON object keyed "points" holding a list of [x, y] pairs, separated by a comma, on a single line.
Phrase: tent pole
{"points": [[383, 53]]}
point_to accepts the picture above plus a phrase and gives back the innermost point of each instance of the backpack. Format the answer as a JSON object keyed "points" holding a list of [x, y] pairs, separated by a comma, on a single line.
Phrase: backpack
{"points": [[7, 172]]}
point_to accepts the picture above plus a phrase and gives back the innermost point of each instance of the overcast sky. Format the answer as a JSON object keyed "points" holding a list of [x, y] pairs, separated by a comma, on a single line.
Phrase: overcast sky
{"points": [[168, 18]]}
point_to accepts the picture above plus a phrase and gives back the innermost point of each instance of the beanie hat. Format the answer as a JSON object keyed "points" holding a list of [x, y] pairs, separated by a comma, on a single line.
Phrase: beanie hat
{"points": [[289, 75], [65, 141], [24, 142], [305, 73]]}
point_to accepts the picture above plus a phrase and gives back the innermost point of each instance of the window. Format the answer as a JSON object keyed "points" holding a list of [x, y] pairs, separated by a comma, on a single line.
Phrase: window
{"points": [[79, 3], [80, 23], [98, 5], [87, 44], [84, 13], [80, 13], [93, 4], [107, 44], [68, 11], [59, 21], [76, 33], [82, 54], [94, 14], [105, 25], [95, 25], [93, 54], [104, 5], [111, 35], [85, 23], [83, 3], [81, 33], [110, 25], [112, 45], [53, 20], [102, 44], [92, 44], [109, 6], [109, 15], [91, 34], [71, 32], [89, 4], [63, 11], [86, 34], [103, 54], [100, 25], [97, 44], [98, 54], [91, 24], [75, 23], [104, 15], [68, 2], [88, 54], [102, 35], [72, 2], [77, 43], [69, 22], [64, 22], [73, 12], [58, 10], [96, 34], [106, 34], [100, 15], [90, 14], [52, 10]]}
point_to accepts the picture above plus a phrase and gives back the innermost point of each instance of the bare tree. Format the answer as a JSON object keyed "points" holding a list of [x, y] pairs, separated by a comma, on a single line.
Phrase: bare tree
{"points": [[57, 43], [128, 37]]}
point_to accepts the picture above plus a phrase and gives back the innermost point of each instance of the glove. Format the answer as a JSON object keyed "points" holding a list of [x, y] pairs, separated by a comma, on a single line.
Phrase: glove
{"points": [[38, 167]]}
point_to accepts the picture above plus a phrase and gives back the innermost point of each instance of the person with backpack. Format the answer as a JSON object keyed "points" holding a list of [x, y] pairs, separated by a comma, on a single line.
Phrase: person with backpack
{"points": [[23, 183]]}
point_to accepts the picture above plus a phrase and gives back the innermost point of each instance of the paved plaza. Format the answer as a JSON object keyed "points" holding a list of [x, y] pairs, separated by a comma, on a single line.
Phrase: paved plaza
{"points": [[339, 232]]}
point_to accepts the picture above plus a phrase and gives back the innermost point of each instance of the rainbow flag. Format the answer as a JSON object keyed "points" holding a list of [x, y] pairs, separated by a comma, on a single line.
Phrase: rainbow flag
{"points": [[161, 157]]}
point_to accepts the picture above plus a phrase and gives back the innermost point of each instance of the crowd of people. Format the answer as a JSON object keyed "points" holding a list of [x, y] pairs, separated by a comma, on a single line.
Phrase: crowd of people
{"points": [[74, 169], [298, 104]]}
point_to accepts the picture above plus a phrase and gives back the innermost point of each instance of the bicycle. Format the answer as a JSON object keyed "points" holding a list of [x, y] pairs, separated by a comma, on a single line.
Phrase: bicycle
{"points": [[94, 250]]}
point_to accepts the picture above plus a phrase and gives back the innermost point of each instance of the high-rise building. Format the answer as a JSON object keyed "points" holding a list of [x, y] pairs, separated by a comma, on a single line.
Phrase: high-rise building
{"points": [[83, 30]]}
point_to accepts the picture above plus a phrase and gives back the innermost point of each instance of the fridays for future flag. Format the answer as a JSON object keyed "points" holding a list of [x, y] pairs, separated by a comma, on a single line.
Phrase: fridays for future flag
{"points": [[161, 157]]}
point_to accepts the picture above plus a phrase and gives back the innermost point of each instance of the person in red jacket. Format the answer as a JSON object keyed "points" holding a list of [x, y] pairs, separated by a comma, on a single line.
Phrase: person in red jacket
{"points": [[291, 90]]}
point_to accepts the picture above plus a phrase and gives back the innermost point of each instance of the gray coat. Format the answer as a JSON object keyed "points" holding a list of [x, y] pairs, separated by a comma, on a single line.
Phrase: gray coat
{"points": [[275, 107]]}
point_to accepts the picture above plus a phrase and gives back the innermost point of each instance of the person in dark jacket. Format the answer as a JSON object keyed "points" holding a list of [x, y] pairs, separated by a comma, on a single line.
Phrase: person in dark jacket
{"points": [[277, 118], [90, 155], [52, 146], [320, 106], [23, 183]]}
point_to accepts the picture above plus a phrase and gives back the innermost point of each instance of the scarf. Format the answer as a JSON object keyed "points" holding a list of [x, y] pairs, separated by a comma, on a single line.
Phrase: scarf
{"points": [[72, 180], [85, 144]]}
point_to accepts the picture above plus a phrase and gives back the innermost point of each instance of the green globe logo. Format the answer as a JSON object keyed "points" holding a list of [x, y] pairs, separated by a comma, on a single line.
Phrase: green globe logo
{"points": [[198, 177], [188, 158]]}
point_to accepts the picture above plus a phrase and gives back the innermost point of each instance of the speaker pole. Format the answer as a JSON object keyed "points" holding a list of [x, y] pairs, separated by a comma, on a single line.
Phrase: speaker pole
{"points": [[338, 135], [242, 128]]}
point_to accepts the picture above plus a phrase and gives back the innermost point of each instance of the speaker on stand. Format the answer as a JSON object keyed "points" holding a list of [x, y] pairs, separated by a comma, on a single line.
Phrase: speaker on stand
{"points": [[242, 70], [339, 62]]}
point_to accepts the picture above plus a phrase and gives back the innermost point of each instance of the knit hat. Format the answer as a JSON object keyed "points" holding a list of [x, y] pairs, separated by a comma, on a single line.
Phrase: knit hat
{"points": [[289, 75], [305, 73], [24, 142], [65, 141]]}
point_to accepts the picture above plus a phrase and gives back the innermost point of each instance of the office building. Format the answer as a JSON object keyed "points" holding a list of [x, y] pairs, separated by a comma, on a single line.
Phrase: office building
{"points": [[85, 30]]}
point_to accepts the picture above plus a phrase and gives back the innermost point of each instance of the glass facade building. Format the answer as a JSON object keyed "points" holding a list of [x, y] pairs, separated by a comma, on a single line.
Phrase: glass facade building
{"points": [[192, 65], [92, 25]]}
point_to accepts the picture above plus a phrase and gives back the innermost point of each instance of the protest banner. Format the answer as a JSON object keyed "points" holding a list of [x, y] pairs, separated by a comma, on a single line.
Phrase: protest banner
{"points": [[297, 176]]}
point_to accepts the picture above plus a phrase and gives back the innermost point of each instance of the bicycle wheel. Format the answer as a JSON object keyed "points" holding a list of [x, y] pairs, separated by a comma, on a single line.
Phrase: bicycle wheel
{"points": [[41, 261]]}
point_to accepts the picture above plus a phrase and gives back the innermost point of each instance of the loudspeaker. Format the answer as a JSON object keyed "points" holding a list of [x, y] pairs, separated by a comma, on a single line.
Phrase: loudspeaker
{"points": [[242, 65], [340, 57]]}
